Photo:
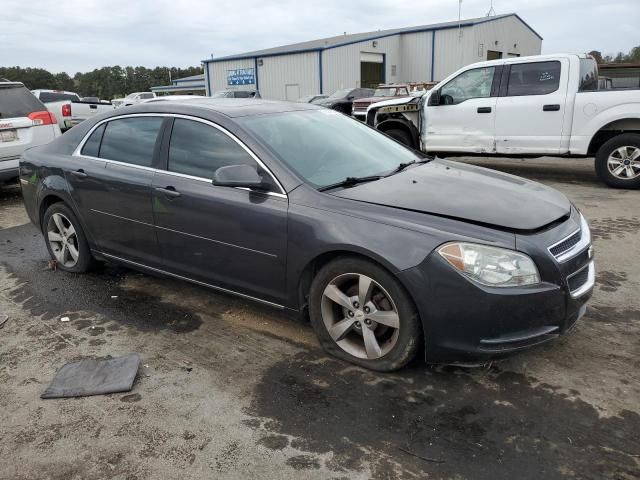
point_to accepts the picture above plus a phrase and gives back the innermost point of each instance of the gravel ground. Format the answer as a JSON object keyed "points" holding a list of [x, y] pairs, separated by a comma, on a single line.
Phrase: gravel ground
{"points": [[230, 389]]}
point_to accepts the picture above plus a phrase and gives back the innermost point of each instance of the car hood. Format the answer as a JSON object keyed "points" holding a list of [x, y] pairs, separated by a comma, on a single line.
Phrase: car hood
{"points": [[466, 192], [326, 102]]}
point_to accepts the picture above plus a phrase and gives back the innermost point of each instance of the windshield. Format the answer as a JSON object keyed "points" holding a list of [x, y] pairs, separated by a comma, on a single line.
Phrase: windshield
{"points": [[341, 93], [325, 147], [131, 95], [389, 92]]}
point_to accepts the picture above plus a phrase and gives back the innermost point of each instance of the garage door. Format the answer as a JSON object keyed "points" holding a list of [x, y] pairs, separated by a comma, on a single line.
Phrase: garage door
{"points": [[371, 69]]}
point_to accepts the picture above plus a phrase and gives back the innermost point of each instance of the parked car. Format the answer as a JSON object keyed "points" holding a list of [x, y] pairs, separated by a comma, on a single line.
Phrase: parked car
{"points": [[311, 98], [132, 99], [383, 92], [547, 105], [342, 100], [69, 109], [24, 122], [385, 247], [172, 98], [236, 94]]}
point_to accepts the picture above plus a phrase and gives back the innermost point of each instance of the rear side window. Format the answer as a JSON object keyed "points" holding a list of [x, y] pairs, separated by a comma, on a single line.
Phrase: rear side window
{"points": [[131, 140], [588, 75], [537, 78], [92, 145], [146, 96], [199, 150], [48, 97], [18, 101]]}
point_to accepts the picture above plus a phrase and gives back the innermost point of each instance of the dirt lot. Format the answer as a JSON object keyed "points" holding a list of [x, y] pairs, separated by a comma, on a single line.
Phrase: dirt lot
{"points": [[229, 389]]}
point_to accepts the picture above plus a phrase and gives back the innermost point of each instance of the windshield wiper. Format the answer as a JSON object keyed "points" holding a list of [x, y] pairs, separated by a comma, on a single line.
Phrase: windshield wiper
{"points": [[402, 166], [350, 182]]}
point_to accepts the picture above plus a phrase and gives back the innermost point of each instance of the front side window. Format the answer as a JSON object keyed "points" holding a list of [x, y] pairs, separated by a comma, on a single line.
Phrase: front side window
{"points": [[474, 83], [92, 145], [536, 78], [131, 140], [199, 150], [299, 140], [146, 96]]}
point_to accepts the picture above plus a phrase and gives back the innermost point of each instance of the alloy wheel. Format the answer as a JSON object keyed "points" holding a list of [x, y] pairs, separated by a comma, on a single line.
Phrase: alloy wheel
{"points": [[624, 163], [63, 240], [360, 316]]}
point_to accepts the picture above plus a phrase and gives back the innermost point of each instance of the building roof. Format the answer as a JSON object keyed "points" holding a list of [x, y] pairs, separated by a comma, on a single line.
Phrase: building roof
{"points": [[341, 40], [192, 78]]}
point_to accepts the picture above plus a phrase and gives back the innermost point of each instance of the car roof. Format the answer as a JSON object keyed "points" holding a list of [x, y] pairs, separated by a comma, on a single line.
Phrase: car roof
{"points": [[230, 107]]}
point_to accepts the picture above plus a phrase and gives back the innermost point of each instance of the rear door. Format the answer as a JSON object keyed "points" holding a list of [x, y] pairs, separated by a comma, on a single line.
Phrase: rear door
{"points": [[111, 185], [226, 237], [464, 118], [531, 107]]}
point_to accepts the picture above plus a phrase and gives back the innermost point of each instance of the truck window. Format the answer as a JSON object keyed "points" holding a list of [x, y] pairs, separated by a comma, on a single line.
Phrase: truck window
{"points": [[588, 75], [474, 83], [17, 101], [536, 78], [48, 97]]}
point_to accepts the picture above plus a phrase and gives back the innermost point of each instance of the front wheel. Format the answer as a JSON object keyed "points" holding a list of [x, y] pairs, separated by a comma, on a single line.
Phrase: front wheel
{"points": [[400, 136], [362, 314], [618, 161]]}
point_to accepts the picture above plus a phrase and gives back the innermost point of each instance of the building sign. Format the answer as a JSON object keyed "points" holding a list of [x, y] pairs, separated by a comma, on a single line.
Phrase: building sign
{"points": [[241, 76]]}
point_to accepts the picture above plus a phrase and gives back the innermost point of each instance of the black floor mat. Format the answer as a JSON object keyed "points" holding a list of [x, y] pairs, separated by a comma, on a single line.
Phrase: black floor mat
{"points": [[94, 377]]}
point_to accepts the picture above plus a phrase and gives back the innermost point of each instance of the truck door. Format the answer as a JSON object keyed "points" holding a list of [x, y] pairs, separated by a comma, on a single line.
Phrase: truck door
{"points": [[531, 107], [460, 115]]}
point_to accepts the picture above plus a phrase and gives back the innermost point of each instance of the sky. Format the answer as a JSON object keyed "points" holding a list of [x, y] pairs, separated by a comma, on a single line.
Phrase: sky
{"points": [[80, 35]]}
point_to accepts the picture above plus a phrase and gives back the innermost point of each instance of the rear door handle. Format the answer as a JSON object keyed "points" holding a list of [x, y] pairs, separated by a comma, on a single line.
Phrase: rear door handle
{"points": [[551, 108], [168, 191], [79, 173], [484, 109]]}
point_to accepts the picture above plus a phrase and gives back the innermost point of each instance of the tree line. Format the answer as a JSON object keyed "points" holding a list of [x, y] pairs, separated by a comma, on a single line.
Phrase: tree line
{"points": [[105, 82], [632, 57]]}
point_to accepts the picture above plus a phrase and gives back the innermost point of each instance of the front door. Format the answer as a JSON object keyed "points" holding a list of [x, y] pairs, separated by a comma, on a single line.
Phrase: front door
{"points": [[464, 118], [531, 108], [111, 185], [231, 238]]}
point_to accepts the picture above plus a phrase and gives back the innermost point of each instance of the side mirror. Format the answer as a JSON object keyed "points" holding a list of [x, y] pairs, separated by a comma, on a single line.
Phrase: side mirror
{"points": [[239, 176], [350, 97], [434, 98]]}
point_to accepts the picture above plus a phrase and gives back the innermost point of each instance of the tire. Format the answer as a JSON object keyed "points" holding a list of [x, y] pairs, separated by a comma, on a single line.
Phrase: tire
{"points": [[64, 235], [401, 136], [620, 152], [348, 336]]}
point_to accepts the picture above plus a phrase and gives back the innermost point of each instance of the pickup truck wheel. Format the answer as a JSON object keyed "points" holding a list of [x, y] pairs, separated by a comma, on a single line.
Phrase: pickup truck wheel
{"points": [[362, 314], [401, 136], [618, 161]]}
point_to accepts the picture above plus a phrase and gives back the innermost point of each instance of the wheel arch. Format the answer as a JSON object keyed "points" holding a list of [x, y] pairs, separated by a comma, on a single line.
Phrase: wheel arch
{"points": [[400, 123], [619, 126]]}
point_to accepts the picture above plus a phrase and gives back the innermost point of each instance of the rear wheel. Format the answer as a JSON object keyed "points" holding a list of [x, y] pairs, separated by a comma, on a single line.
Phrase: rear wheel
{"points": [[618, 161], [401, 136], [362, 314], [66, 241]]}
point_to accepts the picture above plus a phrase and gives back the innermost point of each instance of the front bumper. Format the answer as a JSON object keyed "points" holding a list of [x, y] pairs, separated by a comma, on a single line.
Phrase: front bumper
{"points": [[8, 169], [464, 321]]}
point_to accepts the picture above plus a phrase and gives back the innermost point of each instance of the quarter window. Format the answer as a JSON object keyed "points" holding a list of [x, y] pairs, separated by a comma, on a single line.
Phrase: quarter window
{"points": [[131, 140], [92, 145], [536, 78], [474, 83], [199, 150]]}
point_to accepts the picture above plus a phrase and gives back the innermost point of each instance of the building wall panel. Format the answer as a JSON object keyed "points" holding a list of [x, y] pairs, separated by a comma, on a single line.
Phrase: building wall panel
{"points": [[217, 74], [415, 64], [512, 37], [276, 73]]}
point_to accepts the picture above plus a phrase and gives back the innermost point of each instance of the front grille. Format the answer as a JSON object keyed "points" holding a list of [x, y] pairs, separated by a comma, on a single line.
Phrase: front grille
{"points": [[360, 106], [565, 245], [577, 280]]}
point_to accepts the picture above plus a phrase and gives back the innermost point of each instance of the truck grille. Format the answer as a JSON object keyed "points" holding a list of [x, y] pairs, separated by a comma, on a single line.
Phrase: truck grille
{"points": [[360, 106]]}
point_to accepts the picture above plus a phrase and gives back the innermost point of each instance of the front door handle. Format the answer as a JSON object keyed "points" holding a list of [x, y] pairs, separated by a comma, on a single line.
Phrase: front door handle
{"points": [[168, 191], [79, 173], [551, 108], [484, 109]]}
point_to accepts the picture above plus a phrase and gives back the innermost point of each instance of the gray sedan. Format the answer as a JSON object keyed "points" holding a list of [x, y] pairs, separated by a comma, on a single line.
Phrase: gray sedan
{"points": [[387, 251]]}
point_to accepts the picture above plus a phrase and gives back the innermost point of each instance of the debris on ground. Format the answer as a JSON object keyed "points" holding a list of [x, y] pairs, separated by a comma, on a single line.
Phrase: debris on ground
{"points": [[94, 377], [53, 265], [65, 319], [3, 320]]}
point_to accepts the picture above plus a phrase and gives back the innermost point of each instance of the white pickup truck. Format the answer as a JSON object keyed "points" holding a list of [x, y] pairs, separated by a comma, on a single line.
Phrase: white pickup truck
{"points": [[133, 99], [68, 108], [545, 105]]}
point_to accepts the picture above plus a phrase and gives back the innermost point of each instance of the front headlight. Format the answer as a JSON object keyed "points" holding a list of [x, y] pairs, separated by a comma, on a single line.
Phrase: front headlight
{"points": [[496, 267]]}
